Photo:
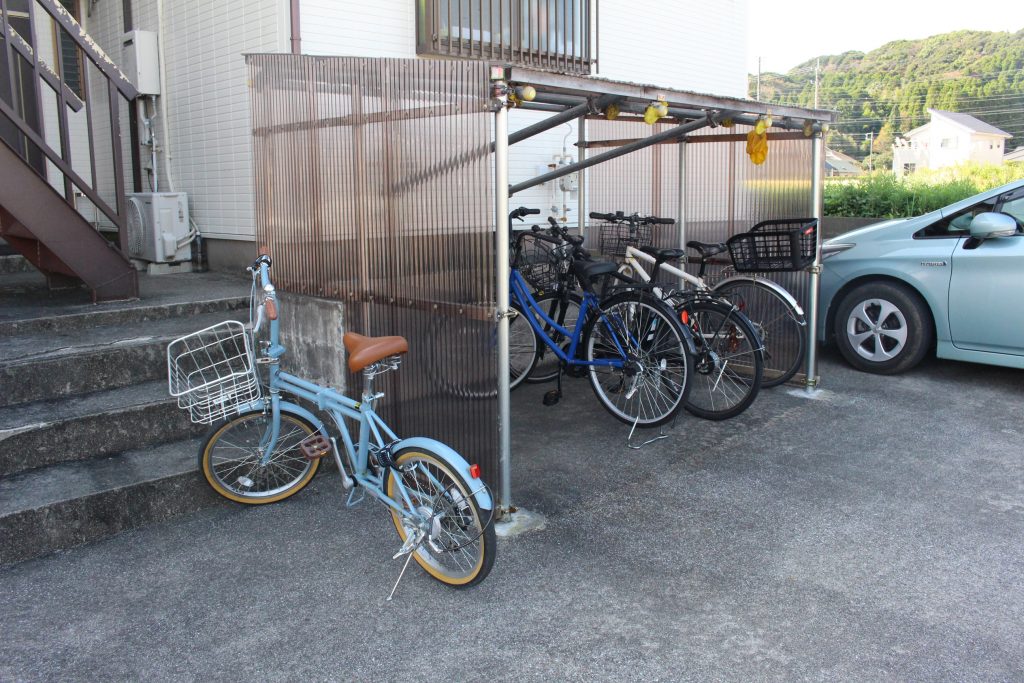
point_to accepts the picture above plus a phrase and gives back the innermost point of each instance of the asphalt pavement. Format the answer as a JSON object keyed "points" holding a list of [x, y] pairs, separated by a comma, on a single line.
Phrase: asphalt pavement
{"points": [[874, 532]]}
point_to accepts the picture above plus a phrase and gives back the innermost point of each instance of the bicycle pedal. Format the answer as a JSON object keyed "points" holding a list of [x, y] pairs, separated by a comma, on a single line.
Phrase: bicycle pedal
{"points": [[315, 447], [552, 397]]}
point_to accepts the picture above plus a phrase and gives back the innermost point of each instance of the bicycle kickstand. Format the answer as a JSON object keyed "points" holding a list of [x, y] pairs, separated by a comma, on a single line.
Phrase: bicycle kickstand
{"points": [[553, 396], [662, 434], [412, 543]]}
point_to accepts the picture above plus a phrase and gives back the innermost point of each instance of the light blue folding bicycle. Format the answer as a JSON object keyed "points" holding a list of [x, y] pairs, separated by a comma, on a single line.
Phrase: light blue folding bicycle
{"points": [[264, 447]]}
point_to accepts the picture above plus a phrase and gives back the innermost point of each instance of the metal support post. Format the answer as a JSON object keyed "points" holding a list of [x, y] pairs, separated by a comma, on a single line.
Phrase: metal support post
{"points": [[501, 236], [581, 185], [681, 209], [817, 161]]}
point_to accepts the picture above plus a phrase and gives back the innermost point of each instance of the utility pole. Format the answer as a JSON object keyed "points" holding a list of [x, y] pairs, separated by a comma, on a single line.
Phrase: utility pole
{"points": [[817, 66], [758, 96], [871, 149]]}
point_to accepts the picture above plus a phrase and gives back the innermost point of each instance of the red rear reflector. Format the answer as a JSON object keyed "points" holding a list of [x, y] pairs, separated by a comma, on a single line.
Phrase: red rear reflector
{"points": [[474, 471], [685, 317]]}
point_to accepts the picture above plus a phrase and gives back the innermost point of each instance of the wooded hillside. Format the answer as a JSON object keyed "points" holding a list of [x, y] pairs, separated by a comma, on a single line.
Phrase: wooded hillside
{"points": [[888, 91]]}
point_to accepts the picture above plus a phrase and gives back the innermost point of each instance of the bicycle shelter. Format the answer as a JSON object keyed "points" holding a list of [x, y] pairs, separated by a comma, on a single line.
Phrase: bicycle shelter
{"points": [[385, 184]]}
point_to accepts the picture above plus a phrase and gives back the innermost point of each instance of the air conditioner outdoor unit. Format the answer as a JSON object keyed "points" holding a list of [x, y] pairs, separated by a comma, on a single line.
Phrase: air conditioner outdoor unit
{"points": [[158, 227]]}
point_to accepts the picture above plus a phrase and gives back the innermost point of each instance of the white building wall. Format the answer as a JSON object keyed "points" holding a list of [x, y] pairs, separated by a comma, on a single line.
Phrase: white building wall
{"points": [[355, 28], [209, 149], [684, 45]]}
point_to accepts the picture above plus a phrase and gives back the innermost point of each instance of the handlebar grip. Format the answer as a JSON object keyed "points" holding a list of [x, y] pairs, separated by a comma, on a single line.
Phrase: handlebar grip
{"points": [[522, 211], [264, 257], [271, 309], [661, 221], [602, 216]]}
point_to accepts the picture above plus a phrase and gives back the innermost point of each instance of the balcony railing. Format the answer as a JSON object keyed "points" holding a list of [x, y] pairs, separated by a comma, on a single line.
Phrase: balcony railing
{"points": [[549, 34]]}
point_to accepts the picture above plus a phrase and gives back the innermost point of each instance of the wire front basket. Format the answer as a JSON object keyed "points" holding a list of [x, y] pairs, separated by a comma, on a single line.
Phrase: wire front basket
{"points": [[540, 263], [777, 245], [211, 372], [615, 237]]}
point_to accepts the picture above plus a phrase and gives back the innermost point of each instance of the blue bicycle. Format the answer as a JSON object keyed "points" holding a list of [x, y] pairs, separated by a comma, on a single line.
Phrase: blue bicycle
{"points": [[264, 447], [638, 356]]}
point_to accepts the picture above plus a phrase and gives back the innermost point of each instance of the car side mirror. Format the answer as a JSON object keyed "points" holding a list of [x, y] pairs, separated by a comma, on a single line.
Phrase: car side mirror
{"points": [[989, 224]]}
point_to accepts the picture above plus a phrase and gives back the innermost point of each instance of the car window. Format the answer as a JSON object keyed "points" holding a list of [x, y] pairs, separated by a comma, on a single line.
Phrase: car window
{"points": [[958, 223], [1013, 205]]}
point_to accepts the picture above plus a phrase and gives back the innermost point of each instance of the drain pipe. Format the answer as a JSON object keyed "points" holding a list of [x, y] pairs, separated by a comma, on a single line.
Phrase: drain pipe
{"points": [[163, 92], [296, 35], [194, 233]]}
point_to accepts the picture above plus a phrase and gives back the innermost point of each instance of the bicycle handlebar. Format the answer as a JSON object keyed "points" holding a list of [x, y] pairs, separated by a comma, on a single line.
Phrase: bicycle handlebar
{"points": [[522, 211], [635, 219], [261, 268]]}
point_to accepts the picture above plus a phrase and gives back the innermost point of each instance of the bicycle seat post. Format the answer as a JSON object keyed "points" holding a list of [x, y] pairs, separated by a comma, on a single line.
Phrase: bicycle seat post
{"points": [[371, 371]]}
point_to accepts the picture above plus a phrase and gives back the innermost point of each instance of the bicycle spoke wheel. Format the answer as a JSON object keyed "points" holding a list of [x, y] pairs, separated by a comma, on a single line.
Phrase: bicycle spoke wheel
{"points": [[548, 363], [727, 370], [458, 543], [652, 384], [230, 458], [522, 349], [781, 328]]}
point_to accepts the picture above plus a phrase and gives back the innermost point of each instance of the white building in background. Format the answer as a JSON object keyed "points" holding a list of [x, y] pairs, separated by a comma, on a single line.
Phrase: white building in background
{"points": [[948, 139], [201, 118]]}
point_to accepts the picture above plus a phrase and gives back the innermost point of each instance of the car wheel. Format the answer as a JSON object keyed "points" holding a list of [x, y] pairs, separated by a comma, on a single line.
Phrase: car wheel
{"points": [[883, 327]]}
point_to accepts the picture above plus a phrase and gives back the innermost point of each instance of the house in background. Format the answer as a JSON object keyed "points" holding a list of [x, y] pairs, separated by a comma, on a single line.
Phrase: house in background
{"points": [[1015, 155], [839, 165], [950, 138]]}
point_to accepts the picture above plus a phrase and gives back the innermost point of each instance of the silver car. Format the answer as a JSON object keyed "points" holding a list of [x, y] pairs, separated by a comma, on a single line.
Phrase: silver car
{"points": [[951, 280]]}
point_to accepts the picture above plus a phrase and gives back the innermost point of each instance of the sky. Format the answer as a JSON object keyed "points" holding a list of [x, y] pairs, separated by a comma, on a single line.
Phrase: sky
{"points": [[784, 39]]}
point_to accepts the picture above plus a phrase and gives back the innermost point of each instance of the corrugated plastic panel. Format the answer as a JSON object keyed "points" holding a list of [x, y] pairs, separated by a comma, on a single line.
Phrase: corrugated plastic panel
{"points": [[373, 187]]}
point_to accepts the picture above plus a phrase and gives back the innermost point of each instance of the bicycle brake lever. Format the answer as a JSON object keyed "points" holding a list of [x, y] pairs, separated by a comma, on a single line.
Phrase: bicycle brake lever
{"points": [[260, 317]]}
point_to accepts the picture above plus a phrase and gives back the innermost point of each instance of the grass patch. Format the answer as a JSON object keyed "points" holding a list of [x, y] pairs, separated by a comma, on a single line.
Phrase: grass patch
{"points": [[882, 195]]}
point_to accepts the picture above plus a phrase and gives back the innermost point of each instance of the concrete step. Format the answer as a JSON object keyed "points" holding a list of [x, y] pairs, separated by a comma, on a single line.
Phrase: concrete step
{"points": [[52, 364], [127, 315], [95, 425], [26, 303], [68, 504]]}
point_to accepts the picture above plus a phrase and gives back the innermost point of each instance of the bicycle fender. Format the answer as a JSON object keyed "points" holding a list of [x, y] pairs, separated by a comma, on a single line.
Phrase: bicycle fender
{"points": [[482, 494], [688, 337], [771, 284]]}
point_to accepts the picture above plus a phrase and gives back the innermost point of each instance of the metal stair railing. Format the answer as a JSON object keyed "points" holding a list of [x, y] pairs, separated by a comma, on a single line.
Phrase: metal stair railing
{"points": [[22, 106]]}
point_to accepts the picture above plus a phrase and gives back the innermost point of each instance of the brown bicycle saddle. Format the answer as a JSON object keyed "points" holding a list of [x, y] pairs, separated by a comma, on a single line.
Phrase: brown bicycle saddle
{"points": [[363, 351]]}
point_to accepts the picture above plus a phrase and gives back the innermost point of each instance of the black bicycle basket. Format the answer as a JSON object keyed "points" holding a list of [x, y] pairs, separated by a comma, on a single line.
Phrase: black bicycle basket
{"points": [[540, 263], [775, 245], [615, 237]]}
